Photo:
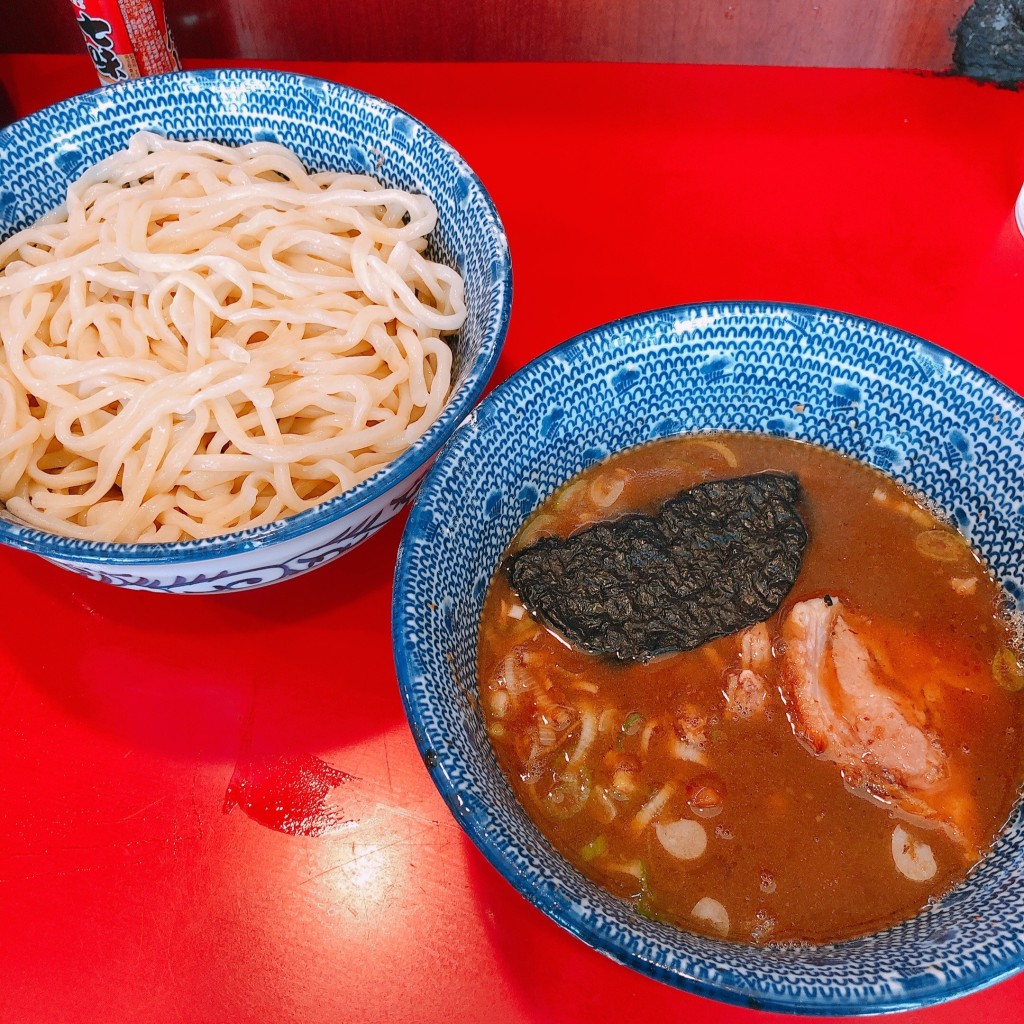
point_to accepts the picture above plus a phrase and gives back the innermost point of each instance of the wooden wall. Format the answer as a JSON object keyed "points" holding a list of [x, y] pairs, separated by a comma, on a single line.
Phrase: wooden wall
{"points": [[844, 33]]}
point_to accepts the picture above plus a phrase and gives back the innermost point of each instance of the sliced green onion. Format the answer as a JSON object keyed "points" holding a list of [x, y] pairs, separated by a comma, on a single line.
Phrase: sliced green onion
{"points": [[632, 724], [644, 904], [595, 848], [644, 908]]}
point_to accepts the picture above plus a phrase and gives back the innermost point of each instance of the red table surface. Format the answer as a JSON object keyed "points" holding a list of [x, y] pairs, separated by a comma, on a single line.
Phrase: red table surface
{"points": [[136, 882]]}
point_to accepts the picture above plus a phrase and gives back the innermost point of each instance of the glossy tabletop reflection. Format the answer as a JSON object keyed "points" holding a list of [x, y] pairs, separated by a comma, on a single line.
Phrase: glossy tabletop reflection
{"points": [[211, 808]]}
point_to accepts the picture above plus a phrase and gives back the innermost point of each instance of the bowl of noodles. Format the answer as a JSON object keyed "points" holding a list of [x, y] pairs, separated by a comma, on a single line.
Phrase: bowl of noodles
{"points": [[240, 312]]}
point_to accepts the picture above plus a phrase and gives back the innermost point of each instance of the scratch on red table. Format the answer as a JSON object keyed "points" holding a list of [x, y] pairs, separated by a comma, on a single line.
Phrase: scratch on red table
{"points": [[368, 852], [195, 806], [403, 812], [387, 760], [142, 810], [67, 870]]}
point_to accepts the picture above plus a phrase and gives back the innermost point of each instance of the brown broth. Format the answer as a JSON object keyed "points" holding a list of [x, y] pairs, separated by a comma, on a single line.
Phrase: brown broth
{"points": [[792, 854]]}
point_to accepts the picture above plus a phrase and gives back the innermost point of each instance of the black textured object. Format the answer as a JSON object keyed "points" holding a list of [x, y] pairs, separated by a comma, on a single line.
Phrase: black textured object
{"points": [[990, 42], [717, 558]]}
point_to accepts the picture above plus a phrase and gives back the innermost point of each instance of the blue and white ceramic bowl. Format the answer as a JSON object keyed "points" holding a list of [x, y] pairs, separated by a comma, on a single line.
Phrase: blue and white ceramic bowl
{"points": [[330, 127], [869, 391]]}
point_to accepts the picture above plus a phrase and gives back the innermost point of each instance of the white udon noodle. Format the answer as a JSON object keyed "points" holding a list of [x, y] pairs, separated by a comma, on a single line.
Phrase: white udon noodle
{"points": [[206, 338]]}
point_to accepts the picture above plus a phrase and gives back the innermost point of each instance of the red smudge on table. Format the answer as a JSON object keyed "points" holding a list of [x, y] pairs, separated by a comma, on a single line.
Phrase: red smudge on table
{"points": [[288, 792]]}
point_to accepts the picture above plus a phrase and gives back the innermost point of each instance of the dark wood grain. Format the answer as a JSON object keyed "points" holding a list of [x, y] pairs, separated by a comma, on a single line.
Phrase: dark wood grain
{"points": [[827, 33]]}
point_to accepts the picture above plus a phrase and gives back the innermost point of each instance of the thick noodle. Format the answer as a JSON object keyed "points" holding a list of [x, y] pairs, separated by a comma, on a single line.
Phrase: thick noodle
{"points": [[206, 338]]}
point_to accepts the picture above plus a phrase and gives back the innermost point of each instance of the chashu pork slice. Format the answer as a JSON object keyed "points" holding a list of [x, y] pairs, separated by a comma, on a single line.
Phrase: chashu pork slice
{"points": [[847, 706]]}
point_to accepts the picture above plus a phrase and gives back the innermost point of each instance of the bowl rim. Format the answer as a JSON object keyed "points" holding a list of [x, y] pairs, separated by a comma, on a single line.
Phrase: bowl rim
{"points": [[16, 534], [551, 904]]}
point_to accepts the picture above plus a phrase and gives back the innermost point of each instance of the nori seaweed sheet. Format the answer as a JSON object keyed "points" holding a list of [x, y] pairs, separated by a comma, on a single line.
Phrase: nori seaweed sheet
{"points": [[715, 559]]}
